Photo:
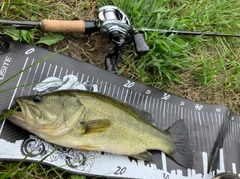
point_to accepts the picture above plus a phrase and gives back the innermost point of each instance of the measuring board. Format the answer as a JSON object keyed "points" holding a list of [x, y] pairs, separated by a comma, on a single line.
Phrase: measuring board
{"points": [[25, 70]]}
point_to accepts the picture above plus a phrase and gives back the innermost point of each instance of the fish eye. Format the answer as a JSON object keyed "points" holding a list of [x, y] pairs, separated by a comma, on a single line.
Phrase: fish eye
{"points": [[37, 98]]}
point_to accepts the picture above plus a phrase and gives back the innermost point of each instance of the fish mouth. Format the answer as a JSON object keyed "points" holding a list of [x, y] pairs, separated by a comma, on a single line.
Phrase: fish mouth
{"points": [[15, 112], [16, 107], [16, 116], [22, 107]]}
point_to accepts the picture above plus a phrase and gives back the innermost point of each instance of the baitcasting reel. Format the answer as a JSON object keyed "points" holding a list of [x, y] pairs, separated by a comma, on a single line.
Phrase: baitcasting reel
{"points": [[116, 25]]}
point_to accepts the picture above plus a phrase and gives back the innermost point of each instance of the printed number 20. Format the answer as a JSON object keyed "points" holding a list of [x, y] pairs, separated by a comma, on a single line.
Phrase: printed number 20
{"points": [[129, 84], [120, 170]]}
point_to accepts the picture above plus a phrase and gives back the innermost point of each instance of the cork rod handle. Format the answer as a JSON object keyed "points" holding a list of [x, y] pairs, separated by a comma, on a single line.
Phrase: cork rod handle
{"points": [[63, 26]]}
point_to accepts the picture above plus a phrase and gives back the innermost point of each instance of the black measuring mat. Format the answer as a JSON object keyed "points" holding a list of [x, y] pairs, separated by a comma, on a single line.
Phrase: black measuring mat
{"points": [[26, 69]]}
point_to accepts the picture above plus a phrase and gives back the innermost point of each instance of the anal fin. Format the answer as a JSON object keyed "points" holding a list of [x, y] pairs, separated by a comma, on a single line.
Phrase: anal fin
{"points": [[146, 156], [89, 147]]}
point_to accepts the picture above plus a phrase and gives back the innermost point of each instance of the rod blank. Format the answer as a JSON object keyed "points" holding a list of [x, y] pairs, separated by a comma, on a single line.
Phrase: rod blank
{"points": [[21, 24], [186, 32]]}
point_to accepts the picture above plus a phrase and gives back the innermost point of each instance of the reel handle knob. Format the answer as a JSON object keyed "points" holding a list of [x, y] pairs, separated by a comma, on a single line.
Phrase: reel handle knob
{"points": [[140, 44]]}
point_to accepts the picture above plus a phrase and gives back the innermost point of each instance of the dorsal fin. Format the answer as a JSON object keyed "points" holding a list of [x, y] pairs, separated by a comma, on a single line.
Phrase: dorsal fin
{"points": [[144, 114]]}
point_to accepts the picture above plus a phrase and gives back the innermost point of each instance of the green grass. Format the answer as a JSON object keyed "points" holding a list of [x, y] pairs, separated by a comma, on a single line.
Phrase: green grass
{"points": [[203, 69], [29, 170], [170, 53]]}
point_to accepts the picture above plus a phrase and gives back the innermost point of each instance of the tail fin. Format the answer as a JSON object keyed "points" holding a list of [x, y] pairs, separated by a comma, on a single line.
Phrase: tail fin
{"points": [[182, 153]]}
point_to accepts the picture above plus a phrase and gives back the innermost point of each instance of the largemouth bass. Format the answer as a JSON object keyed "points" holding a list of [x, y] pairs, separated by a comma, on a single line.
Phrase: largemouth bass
{"points": [[91, 121]]}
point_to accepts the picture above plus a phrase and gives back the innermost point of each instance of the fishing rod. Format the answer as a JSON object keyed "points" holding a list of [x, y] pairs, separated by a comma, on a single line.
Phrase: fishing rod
{"points": [[186, 32], [114, 24]]}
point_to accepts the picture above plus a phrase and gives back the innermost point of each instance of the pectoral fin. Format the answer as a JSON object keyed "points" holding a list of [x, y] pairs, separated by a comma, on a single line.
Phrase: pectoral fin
{"points": [[95, 126], [146, 156]]}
